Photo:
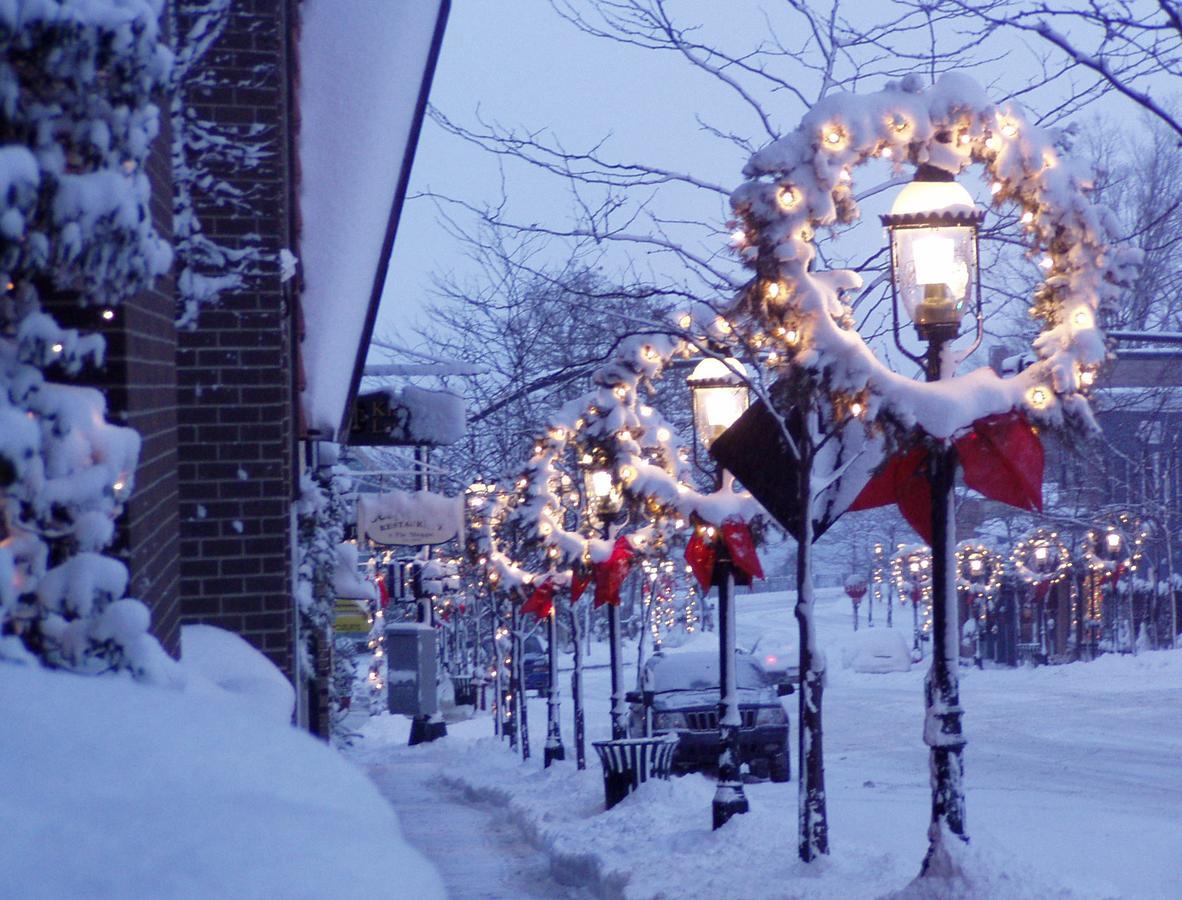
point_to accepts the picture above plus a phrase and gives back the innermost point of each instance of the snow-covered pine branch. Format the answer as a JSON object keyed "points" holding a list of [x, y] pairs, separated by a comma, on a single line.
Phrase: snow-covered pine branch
{"points": [[74, 221]]}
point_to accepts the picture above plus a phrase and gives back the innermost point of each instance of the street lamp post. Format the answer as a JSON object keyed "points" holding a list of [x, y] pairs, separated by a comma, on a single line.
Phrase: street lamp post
{"points": [[719, 398], [605, 493], [935, 272]]}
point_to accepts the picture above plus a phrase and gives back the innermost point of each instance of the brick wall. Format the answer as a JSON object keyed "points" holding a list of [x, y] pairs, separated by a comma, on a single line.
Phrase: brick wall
{"points": [[236, 433]]}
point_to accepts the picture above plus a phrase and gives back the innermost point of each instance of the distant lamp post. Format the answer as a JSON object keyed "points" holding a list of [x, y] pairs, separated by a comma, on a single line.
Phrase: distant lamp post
{"points": [[935, 274], [719, 397], [606, 501]]}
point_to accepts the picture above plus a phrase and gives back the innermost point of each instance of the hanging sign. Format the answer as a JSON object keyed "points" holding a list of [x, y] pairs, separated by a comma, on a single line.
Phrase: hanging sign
{"points": [[409, 518], [350, 617]]}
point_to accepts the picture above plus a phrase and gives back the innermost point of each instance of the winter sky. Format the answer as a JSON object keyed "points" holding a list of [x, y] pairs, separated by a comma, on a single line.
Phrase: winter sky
{"points": [[519, 65]]}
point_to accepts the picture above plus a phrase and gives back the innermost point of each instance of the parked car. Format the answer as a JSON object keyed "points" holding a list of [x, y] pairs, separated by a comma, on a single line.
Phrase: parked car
{"points": [[535, 663], [680, 696], [780, 659]]}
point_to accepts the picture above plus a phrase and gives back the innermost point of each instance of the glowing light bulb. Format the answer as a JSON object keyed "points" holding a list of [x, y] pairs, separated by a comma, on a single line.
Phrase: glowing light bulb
{"points": [[844, 176], [965, 138], [738, 237], [886, 153], [832, 137], [772, 291], [57, 348], [1027, 217], [856, 408], [1082, 318], [118, 486], [1009, 129], [1087, 377], [1113, 540], [992, 143], [663, 435], [1046, 263], [1039, 397], [786, 198]]}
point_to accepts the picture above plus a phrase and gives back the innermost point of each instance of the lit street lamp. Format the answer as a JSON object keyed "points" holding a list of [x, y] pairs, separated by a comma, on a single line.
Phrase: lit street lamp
{"points": [[935, 273], [719, 398], [606, 501]]}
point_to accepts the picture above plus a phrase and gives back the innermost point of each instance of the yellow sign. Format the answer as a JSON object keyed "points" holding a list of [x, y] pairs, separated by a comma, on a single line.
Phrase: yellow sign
{"points": [[350, 617]]}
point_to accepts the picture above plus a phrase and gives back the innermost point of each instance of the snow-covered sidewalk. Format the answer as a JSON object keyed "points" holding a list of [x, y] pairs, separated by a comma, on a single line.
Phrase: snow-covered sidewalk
{"points": [[1074, 788], [480, 852]]}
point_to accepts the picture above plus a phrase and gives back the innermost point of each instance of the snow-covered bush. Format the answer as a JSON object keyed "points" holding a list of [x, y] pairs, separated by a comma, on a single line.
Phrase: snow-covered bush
{"points": [[76, 123]]}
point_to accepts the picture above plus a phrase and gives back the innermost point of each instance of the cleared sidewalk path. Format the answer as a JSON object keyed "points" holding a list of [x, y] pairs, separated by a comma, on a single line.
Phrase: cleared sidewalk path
{"points": [[478, 852]]}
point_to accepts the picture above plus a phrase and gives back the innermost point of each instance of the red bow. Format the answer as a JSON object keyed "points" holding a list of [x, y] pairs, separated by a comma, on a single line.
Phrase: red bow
{"points": [[702, 554], [1002, 459], [383, 591], [578, 584], [610, 574], [541, 601]]}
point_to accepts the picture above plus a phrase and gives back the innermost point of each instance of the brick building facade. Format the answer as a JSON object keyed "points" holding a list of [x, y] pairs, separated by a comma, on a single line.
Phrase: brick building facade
{"points": [[208, 533], [236, 437]]}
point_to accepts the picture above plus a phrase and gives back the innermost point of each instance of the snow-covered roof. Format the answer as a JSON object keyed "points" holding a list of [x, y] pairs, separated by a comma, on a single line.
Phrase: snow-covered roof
{"points": [[365, 69]]}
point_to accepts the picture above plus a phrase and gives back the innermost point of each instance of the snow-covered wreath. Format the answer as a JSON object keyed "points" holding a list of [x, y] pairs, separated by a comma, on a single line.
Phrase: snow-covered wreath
{"points": [[979, 570], [805, 182], [612, 430], [1041, 557]]}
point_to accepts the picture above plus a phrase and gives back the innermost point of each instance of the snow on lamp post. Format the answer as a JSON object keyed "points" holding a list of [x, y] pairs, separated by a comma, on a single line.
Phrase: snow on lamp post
{"points": [[935, 274], [719, 398], [606, 500]]}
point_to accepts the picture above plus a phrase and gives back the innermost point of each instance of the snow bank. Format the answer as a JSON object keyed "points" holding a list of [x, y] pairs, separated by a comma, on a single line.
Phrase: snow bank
{"points": [[233, 665], [119, 789], [876, 650]]}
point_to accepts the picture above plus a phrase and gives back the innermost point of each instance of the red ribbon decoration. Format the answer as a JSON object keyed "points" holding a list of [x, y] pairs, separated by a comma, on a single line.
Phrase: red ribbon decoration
{"points": [[737, 535], [1002, 458], [383, 591], [701, 554], [541, 601], [610, 574], [578, 584]]}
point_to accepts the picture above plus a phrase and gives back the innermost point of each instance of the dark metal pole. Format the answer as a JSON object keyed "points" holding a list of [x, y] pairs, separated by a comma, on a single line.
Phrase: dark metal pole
{"points": [[619, 709], [729, 799], [943, 729], [553, 749], [576, 690], [425, 728]]}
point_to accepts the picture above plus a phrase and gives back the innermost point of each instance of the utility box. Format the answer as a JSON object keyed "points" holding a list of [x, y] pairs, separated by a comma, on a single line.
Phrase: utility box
{"points": [[411, 669]]}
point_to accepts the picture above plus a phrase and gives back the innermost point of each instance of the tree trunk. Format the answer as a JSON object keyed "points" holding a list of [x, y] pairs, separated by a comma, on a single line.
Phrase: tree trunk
{"points": [[812, 819]]}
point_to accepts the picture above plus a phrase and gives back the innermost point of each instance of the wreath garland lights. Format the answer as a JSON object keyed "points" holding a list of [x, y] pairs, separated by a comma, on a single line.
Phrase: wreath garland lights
{"points": [[1041, 558], [610, 429], [804, 182], [979, 571]]}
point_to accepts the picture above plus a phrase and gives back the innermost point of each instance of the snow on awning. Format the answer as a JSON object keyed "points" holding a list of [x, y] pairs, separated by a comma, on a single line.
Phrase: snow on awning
{"points": [[365, 70]]}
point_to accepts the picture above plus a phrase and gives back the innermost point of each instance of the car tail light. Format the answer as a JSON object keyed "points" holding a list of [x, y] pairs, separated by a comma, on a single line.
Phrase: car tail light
{"points": [[770, 715]]}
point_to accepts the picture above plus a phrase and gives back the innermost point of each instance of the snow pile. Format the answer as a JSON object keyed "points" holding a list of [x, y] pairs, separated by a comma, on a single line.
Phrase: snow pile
{"points": [[229, 662], [119, 789], [876, 651], [435, 418]]}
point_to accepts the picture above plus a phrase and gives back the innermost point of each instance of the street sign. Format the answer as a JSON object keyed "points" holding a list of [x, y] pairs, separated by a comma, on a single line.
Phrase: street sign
{"points": [[409, 518]]}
